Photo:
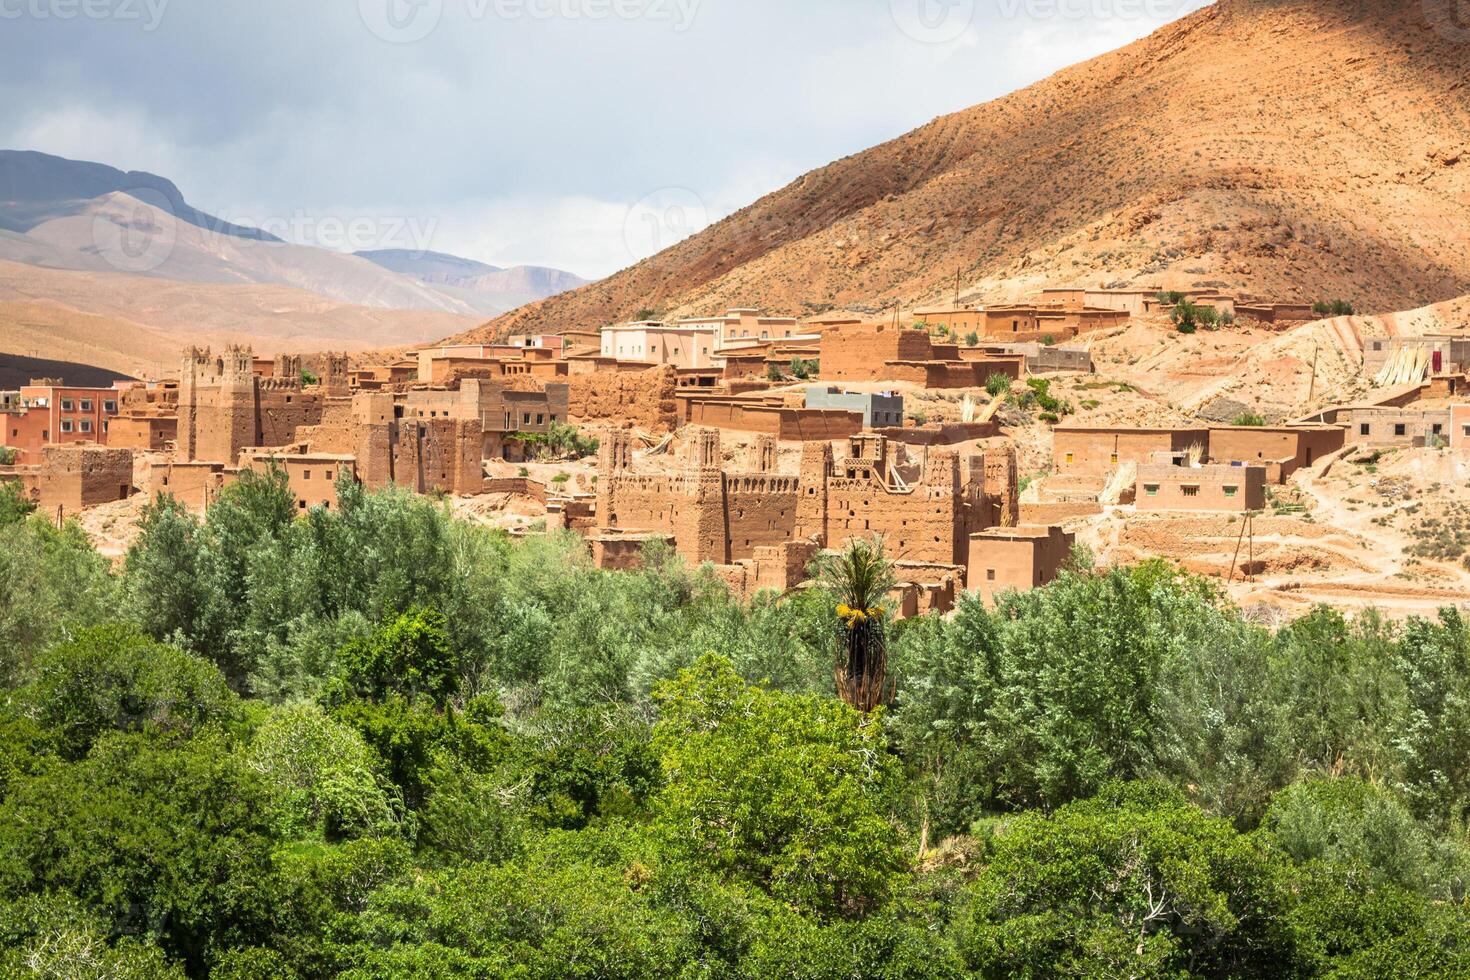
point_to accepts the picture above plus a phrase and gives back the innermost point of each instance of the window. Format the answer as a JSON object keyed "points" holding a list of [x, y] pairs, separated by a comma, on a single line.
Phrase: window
{"points": [[1400, 429], [990, 574], [109, 406], [1231, 491], [1190, 491], [553, 416], [1151, 489], [1365, 429], [306, 474], [327, 475], [1113, 459], [86, 404], [540, 418], [1070, 457], [86, 425], [1436, 428], [66, 405], [526, 418], [66, 425]]}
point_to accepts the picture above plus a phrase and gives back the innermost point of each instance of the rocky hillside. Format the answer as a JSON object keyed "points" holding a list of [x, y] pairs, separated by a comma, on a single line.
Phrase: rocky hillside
{"points": [[1281, 148]]}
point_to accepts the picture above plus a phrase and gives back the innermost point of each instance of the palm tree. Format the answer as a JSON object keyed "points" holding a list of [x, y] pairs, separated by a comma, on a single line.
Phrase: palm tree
{"points": [[860, 578]]}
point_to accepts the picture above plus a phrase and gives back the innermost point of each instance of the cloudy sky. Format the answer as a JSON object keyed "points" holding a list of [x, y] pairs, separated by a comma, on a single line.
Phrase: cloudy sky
{"points": [[582, 134]]}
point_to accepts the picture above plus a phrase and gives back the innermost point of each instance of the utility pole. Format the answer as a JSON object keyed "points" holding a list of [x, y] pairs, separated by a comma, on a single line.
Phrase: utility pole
{"points": [[957, 289], [1312, 388]]}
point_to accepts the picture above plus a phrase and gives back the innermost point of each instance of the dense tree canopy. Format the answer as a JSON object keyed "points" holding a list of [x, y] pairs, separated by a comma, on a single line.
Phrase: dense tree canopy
{"points": [[380, 743]]}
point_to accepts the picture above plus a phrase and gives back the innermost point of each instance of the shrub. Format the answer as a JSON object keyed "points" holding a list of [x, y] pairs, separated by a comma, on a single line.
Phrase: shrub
{"points": [[1249, 418], [997, 384]]}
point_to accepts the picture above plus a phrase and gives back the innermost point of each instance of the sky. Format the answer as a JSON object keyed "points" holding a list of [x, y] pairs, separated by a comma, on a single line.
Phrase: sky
{"points": [[579, 134]]}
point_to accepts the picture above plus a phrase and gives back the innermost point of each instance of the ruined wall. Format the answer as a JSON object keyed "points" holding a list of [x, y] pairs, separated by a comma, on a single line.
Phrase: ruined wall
{"points": [[1099, 451], [75, 477], [644, 398], [858, 352]]}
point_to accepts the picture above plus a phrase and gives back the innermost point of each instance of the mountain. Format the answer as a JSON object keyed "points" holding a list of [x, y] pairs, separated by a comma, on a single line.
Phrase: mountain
{"points": [[36, 187], [138, 325], [1280, 148], [490, 289]]}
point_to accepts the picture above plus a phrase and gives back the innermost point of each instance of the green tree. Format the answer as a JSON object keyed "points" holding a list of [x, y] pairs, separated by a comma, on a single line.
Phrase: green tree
{"points": [[321, 774], [859, 579], [1134, 883], [785, 793], [52, 583], [15, 506], [114, 679], [410, 656], [169, 842]]}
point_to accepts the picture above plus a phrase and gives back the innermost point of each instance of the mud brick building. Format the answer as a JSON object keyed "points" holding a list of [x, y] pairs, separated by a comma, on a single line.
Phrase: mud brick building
{"points": [[884, 352], [312, 477], [1016, 559], [761, 528], [225, 407], [1097, 451], [437, 453], [1169, 485], [73, 477]]}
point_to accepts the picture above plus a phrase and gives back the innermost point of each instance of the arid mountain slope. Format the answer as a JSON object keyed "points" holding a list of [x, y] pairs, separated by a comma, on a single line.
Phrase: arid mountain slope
{"points": [[139, 325], [1284, 148]]}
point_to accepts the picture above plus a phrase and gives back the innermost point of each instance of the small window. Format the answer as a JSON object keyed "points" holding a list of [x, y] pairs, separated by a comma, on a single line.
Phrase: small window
{"points": [[1231, 491], [540, 419], [86, 425], [109, 406], [306, 474], [1070, 457], [1366, 429], [1113, 459], [327, 475], [66, 425], [526, 418], [301, 504], [86, 404], [1190, 491], [1151, 489], [1436, 428], [1400, 429], [990, 574], [66, 405]]}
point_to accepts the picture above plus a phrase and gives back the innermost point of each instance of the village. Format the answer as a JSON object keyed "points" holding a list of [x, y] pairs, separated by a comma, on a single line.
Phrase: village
{"points": [[984, 445]]}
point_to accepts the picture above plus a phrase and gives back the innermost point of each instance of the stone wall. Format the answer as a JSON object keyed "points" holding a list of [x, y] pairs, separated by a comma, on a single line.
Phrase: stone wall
{"points": [[644, 398]]}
